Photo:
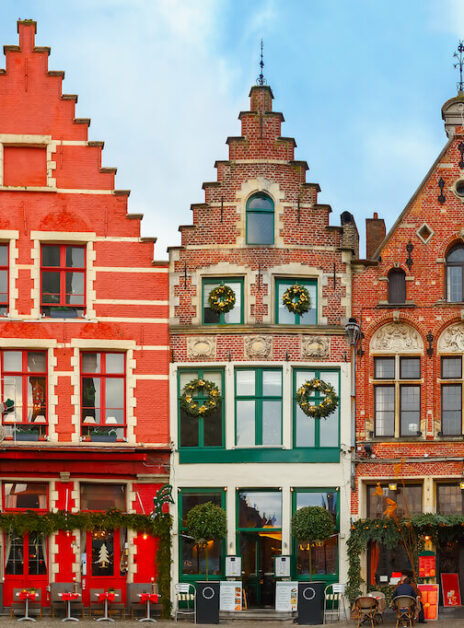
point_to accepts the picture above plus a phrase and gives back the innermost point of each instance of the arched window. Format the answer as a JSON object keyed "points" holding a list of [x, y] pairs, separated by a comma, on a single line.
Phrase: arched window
{"points": [[396, 286], [455, 274], [260, 219]]}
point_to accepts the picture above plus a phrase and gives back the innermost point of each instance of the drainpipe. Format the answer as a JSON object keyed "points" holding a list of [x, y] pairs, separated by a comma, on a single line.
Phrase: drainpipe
{"points": [[353, 331]]}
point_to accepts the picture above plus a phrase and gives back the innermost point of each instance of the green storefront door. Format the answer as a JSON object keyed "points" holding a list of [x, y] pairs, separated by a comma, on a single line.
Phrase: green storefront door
{"points": [[258, 550]]}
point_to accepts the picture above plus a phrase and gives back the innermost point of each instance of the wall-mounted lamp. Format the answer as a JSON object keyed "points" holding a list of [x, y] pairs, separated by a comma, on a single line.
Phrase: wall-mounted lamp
{"points": [[461, 486], [353, 331], [392, 486]]}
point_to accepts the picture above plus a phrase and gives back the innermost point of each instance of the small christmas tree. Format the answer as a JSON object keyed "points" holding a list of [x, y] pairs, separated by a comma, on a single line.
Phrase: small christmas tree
{"points": [[103, 556]]}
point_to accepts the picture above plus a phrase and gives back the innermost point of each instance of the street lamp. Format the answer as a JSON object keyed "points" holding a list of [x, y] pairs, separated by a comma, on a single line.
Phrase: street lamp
{"points": [[353, 331]]}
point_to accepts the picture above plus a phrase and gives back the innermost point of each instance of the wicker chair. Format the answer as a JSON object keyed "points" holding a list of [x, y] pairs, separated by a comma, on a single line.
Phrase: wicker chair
{"points": [[405, 607], [366, 610]]}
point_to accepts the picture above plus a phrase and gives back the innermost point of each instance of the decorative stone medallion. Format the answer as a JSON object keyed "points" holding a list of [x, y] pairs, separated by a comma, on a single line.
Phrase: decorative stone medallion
{"points": [[315, 347], [396, 337], [452, 339], [201, 347], [257, 347]]}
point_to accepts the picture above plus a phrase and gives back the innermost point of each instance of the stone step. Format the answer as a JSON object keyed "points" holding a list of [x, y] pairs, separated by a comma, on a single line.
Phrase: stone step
{"points": [[256, 614]]}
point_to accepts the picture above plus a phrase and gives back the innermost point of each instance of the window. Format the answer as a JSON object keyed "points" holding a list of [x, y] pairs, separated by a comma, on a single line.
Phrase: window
{"points": [[283, 316], [26, 555], [397, 403], [309, 432], [260, 219], [396, 286], [202, 431], [4, 278], [25, 384], [324, 554], [451, 396], [408, 497], [25, 495], [258, 407], [193, 557], [455, 274], [103, 497], [259, 509], [450, 499], [235, 315], [103, 396], [62, 280]]}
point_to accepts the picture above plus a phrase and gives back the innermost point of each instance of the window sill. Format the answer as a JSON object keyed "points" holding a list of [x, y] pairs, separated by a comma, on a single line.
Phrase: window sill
{"points": [[255, 328]]}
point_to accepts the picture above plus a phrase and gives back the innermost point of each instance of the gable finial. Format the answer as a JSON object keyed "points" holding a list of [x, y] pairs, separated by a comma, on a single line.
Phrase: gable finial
{"points": [[459, 55], [261, 80]]}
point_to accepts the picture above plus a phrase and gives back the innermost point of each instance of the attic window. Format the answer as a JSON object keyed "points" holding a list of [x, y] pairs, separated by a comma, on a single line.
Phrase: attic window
{"points": [[459, 187], [425, 233]]}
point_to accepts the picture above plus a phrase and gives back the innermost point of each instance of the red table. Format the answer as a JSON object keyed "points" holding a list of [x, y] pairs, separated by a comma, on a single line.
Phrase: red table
{"points": [[26, 596], [107, 596], [149, 598], [68, 597]]}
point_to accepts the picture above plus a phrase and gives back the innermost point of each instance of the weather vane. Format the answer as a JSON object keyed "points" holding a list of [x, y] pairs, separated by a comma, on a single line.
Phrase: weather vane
{"points": [[261, 80], [459, 55]]}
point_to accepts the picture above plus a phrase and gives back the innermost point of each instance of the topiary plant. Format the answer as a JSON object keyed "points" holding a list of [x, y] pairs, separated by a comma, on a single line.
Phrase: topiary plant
{"points": [[204, 523], [312, 523]]}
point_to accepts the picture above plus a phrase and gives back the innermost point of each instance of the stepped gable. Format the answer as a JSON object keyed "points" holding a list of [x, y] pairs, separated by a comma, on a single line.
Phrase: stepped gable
{"points": [[45, 147], [263, 155]]}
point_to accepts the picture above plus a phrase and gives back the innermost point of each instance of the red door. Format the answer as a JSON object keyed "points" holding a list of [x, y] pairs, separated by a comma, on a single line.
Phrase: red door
{"points": [[26, 565], [106, 563]]}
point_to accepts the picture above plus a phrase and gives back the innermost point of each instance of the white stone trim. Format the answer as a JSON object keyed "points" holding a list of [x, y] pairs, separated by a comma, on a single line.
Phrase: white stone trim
{"points": [[129, 302], [131, 400], [28, 343], [76, 396], [52, 400], [298, 270], [90, 278], [60, 237], [253, 186], [7, 139], [13, 275], [129, 269], [102, 344], [151, 377], [132, 319]]}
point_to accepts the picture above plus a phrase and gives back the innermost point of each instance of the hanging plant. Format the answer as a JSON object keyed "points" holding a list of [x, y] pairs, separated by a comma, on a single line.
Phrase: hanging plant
{"points": [[221, 299], [325, 407], [189, 398], [296, 299]]}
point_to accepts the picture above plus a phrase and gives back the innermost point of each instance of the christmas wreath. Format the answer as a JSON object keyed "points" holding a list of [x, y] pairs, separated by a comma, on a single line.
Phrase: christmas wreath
{"points": [[296, 299], [221, 299], [192, 406], [325, 407]]}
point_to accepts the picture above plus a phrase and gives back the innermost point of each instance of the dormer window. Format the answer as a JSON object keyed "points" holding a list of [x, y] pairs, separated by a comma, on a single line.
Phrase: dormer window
{"points": [[260, 219], [396, 286], [455, 274]]}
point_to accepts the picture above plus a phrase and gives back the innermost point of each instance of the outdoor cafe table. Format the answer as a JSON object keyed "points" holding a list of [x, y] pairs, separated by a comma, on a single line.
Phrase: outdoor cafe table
{"points": [[148, 598], [107, 596], [68, 597], [25, 596]]}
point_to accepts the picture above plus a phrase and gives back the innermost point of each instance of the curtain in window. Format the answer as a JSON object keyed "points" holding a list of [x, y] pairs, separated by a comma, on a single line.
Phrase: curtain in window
{"points": [[43, 543], [42, 501], [7, 548]]}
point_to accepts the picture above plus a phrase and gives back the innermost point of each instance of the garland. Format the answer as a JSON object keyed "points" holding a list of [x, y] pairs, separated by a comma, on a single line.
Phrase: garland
{"points": [[387, 532], [221, 299], [296, 299], [50, 522], [327, 405], [192, 406]]}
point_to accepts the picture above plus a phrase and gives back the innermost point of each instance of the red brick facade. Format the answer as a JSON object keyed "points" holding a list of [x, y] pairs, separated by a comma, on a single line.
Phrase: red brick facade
{"points": [[56, 196]]}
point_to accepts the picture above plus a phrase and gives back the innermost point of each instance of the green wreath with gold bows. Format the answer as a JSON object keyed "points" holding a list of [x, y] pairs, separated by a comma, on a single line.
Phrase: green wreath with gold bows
{"points": [[221, 299], [189, 398], [325, 407], [296, 299]]}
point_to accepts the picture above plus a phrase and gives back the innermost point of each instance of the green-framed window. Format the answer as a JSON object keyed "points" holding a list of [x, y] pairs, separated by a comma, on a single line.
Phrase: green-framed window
{"points": [[192, 559], [324, 555], [282, 315], [235, 315], [258, 407], [260, 219], [202, 431], [308, 431]]}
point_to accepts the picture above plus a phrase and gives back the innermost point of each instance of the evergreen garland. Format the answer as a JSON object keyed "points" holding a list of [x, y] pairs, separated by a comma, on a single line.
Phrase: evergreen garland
{"points": [[50, 522]]}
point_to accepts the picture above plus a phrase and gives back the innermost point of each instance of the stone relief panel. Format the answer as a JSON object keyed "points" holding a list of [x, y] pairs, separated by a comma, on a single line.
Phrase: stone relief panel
{"points": [[396, 338], [201, 347], [315, 347], [257, 347], [452, 339]]}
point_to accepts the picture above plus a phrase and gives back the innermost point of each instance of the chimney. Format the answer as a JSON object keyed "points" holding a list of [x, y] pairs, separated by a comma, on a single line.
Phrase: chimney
{"points": [[375, 234], [350, 236]]}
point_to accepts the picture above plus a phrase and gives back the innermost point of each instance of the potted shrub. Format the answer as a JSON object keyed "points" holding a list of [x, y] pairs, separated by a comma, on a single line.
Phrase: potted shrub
{"points": [[311, 524], [206, 523]]}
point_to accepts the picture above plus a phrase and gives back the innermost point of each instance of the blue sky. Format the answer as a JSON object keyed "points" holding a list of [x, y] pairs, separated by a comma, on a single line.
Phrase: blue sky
{"points": [[360, 82]]}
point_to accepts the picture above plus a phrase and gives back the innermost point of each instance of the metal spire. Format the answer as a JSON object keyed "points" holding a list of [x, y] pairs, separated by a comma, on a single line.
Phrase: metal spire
{"points": [[459, 55], [261, 80]]}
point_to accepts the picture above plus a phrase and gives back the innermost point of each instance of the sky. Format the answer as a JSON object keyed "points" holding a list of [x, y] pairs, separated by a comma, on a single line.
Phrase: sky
{"points": [[360, 83]]}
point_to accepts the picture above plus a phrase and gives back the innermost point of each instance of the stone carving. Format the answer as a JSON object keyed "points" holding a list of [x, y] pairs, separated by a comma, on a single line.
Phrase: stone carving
{"points": [[201, 347], [315, 347], [397, 338], [452, 339], [257, 347]]}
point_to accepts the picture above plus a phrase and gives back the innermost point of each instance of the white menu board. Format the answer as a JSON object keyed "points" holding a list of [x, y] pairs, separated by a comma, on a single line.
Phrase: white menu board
{"points": [[286, 599], [230, 595], [233, 566]]}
